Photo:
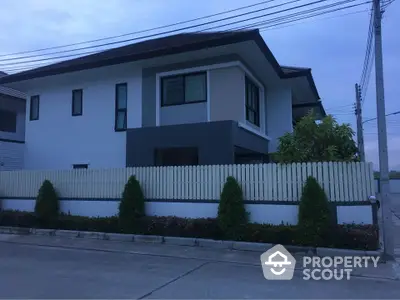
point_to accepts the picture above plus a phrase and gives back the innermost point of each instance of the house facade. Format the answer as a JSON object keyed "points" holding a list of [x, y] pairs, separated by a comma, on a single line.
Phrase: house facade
{"points": [[210, 98], [12, 128]]}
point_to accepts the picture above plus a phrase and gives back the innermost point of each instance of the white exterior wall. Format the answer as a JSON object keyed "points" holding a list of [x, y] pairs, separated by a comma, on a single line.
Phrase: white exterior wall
{"points": [[279, 114], [58, 140]]}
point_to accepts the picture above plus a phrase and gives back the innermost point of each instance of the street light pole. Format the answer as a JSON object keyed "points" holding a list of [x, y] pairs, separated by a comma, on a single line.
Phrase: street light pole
{"points": [[382, 138]]}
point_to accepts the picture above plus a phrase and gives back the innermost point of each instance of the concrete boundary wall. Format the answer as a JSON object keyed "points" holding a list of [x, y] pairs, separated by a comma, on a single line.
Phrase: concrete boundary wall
{"points": [[272, 212]]}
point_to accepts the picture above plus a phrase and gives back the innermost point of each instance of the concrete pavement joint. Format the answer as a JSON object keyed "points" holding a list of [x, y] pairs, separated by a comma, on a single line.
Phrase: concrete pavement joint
{"points": [[174, 280]]}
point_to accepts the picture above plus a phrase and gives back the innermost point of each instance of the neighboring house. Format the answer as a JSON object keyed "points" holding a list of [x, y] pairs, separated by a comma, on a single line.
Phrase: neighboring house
{"points": [[12, 128], [192, 98]]}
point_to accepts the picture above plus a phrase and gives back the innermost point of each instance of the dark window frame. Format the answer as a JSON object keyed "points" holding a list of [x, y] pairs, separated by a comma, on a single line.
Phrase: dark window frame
{"points": [[119, 110], [252, 106], [183, 76], [73, 112], [8, 118], [31, 117]]}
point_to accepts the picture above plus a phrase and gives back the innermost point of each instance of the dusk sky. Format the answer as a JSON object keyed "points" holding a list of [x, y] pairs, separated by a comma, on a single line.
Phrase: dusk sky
{"points": [[333, 45]]}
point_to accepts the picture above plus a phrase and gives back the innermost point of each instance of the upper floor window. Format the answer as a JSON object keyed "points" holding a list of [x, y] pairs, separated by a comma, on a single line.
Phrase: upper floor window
{"points": [[252, 103], [34, 108], [121, 97], [77, 98], [185, 88], [8, 121]]}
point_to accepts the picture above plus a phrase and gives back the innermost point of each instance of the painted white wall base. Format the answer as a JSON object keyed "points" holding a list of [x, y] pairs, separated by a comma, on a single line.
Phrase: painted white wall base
{"points": [[275, 214]]}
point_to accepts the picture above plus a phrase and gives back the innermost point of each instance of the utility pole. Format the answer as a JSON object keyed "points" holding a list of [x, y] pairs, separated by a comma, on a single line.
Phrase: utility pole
{"points": [[385, 199], [360, 136]]}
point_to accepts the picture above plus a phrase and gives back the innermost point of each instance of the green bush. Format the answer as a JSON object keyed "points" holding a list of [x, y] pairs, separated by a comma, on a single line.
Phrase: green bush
{"points": [[360, 237], [132, 204], [47, 205], [232, 213], [315, 216]]}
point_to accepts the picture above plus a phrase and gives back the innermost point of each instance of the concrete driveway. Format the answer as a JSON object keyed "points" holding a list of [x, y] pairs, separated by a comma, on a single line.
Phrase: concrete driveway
{"points": [[28, 270]]}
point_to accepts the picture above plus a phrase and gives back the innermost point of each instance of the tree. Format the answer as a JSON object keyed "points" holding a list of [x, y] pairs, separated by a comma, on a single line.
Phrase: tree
{"points": [[232, 213], [132, 205], [315, 215], [313, 141], [47, 205]]}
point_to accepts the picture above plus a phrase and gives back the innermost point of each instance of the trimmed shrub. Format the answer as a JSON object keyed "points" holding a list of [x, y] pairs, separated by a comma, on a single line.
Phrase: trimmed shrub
{"points": [[132, 204], [315, 216], [232, 213], [47, 206], [361, 237]]}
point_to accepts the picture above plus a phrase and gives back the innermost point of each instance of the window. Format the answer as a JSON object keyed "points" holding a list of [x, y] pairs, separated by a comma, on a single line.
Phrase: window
{"points": [[121, 96], [183, 89], [34, 108], [8, 121], [80, 166], [176, 157], [252, 103], [77, 106]]}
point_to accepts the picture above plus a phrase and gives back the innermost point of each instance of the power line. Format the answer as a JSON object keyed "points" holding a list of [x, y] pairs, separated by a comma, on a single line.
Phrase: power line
{"points": [[320, 19], [281, 18], [140, 31], [391, 114], [173, 30], [367, 66], [316, 14], [276, 12]]}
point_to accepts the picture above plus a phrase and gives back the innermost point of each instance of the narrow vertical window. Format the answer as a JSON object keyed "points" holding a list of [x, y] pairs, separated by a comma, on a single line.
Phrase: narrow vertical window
{"points": [[252, 103], [121, 96], [34, 108], [77, 102]]}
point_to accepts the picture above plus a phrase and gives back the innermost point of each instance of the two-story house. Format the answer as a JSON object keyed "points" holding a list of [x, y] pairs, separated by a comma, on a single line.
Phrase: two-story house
{"points": [[192, 98], [12, 128]]}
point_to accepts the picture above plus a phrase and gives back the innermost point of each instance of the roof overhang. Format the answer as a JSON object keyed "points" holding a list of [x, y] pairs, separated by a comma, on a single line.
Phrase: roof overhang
{"points": [[302, 109], [117, 56]]}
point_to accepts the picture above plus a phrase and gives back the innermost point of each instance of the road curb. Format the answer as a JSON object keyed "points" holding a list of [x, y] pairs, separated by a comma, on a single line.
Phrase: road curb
{"points": [[180, 241], [183, 241], [320, 251]]}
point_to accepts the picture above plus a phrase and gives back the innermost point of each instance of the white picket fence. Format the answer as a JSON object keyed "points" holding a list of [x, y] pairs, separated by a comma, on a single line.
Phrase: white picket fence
{"points": [[260, 182]]}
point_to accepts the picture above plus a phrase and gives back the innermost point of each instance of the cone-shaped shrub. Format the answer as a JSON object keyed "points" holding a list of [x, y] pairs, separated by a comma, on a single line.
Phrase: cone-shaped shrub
{"points": [[232, 213], [315, 216], [47, 206], [131, 205]]}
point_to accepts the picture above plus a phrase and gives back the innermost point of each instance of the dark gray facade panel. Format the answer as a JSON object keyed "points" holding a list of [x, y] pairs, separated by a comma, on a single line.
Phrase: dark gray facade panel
{"points": [[213, 140], [248, 140]]}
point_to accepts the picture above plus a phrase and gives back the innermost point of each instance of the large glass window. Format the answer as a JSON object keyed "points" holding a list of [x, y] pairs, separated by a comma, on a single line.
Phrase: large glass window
{"points": [[182, 89], [8, 121], [121, 97]]}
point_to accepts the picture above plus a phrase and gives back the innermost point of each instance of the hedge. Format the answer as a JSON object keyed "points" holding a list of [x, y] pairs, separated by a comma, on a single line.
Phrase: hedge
{"points": [[363, 237]]}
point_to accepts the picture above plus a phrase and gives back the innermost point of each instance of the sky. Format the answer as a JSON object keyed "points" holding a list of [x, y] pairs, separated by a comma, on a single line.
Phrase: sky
{"points": [[332, 45]]}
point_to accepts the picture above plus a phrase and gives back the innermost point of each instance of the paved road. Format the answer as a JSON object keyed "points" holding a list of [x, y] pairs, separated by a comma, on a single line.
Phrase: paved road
{"points": [[29, 271]]}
